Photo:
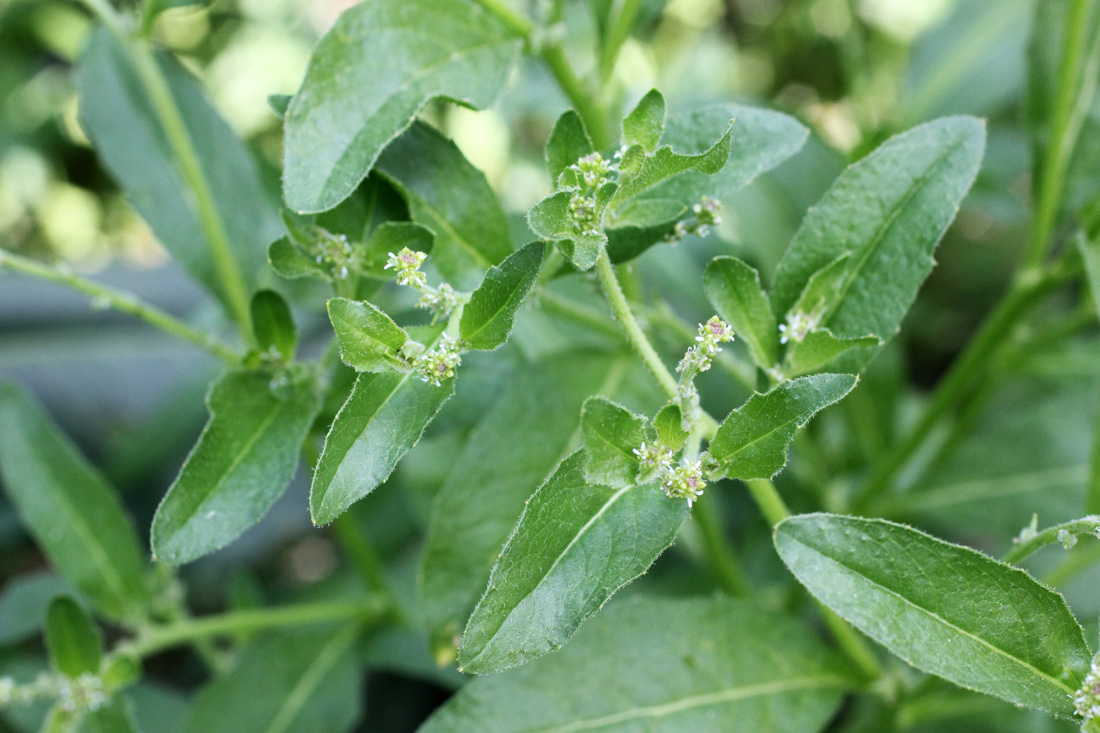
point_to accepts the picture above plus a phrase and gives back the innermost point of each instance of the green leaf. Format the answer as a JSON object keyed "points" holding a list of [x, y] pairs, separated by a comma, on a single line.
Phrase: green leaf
{"points": [[73, 514], [514, 447], [610, 433], [448, 195], [575, 545], [948, 610], [752, 442], [818, 350], [241, 464], [368, 77], [550, 219], [112, 717], [669, 425], [646, 122], [392, 236], [273, 324], [822, 290], [289, 261], [384, 416], [666, 163], [888, 212], [1090, 255], [734, 289], [119, 117], [488, 318], [655, 664], [290, 682], [23, 604], [568, 143], [74, 641], [369, 340]]}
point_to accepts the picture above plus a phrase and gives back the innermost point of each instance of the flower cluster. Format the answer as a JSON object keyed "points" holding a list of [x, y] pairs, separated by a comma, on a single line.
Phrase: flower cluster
{"points": [[335, 252], [798, 326], [706, 215], [593, 170], [83, 693], [699, 357], [1087, 699], [442, 300], [654, 456], [583, 215], [685, 481], [438, 364], [406, 264]]}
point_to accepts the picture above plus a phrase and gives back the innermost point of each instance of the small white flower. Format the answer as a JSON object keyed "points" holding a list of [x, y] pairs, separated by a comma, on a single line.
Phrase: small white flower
{"points": [[685, 481], [1087, 699]]}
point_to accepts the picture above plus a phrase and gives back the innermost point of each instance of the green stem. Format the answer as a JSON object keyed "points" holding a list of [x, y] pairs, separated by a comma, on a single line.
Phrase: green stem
{"points": [[981, 350], [158, 639], [179, 140], [775, 510], [731, 576], [363, 556], [621, 22], [120, 301], [1021, 550], [1063, 136]]}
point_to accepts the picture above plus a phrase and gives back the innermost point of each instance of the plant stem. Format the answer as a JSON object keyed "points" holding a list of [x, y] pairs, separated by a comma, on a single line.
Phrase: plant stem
{"points": [[1065, 127], [1021, 550], [731, 576], [160, 638], [594, 116], [768, 499], [982, 348], [179, 140], [120, 301], [363, 556], [623, 15]]}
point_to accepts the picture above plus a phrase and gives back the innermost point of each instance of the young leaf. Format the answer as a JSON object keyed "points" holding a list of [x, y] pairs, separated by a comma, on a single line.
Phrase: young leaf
{"points": [[669, 424], [310, 681], [448, 195], [658, 664], [550, 218], [476, 509], [119, 117], [818, 349], [575, 545], [646, 122], [369, 340], [288, 260], [888, 211], [948, 610], [241, 464], [734, 289], [568, 143], [368, 77], [487, 319], [666, 163], [75, 643], [73, 514], [610, 434], [392, 236], [273, 324], [823, 290], [384, 416], [753, 440]]}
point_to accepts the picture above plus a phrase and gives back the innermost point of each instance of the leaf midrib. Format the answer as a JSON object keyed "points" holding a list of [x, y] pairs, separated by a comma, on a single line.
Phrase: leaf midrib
{"points": [[690, 702], [313, 675], [936, 617], [763, 436]]}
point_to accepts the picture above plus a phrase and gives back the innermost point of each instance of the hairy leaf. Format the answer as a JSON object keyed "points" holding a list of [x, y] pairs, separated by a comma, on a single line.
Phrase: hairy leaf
{"points": [[568, 143], [818, 350], [369, 340], [752, 442], [943, 608], [663, 665], [73, 514], [610, 433], [383, 417], [646, 122], [369, 76], [273, 324], [575, 545], [242, 463], [488, 318], [734, 289], [888, 212], [669, 426]]}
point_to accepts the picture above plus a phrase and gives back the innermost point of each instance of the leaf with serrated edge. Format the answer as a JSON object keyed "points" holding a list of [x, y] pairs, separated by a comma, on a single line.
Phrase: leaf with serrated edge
{"points": [[368, 339], [451, 197], [734, 289], [946, 609], [752, 442], [242, 463], [575, 545], [488, 317], [383, 417], [568, 143], [371, 73], [310, 682], [610, 433], [663, 665], [666, 163], [646, 122], [889, 211], [70, 509]]}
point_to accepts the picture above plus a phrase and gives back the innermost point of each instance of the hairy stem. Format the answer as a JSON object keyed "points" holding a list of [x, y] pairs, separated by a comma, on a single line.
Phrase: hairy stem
{"points": [[121, 301], [1058, 533], [158, 639]]}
